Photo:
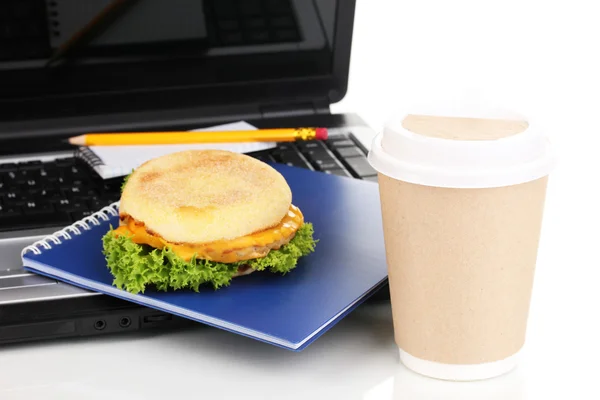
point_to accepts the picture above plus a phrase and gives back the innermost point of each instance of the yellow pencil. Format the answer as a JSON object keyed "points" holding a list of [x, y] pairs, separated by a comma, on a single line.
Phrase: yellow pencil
{"points": [[144, 138]]}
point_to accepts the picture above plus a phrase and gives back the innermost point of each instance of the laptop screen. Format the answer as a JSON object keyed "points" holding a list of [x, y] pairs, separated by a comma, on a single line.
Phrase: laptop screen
{"points": [[63, 53]]}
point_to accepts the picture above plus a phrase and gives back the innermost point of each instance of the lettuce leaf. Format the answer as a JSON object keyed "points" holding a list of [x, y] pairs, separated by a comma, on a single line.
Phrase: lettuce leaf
{"points": [[125, 179], [136, 267]]}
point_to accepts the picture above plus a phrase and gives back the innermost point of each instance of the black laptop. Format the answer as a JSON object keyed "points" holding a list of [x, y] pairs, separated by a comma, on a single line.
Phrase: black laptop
{"points": [[68, 67]]}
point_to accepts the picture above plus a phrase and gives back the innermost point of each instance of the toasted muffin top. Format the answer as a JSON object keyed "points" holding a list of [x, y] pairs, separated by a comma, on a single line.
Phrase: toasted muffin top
{"points": [[201, 196]]}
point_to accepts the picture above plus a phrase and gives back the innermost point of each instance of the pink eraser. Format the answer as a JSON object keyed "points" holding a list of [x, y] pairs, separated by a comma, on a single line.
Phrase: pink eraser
{"points": [[321, 133]]}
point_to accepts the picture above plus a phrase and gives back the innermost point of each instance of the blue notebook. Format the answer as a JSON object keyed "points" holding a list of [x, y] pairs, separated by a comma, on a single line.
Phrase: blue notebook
{"points": [[289, 311]]}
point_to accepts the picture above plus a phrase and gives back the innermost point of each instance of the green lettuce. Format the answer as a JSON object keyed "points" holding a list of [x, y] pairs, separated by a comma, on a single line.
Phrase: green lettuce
{"points": [[125, 179], [136, 267]]}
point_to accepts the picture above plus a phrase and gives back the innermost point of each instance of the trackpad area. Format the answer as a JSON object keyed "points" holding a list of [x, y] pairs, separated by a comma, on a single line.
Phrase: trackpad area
{"points": [[12, 274], [10, 253], [12, 282]]}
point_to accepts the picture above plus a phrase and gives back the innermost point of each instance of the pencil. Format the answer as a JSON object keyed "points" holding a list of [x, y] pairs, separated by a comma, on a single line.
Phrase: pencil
{"points": [[145, 138], [94, 27]]}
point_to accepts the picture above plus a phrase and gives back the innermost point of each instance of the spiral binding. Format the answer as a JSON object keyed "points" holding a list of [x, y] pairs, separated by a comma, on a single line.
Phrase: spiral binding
{"points": [[87, 155], [76, 228], [53, 21]]}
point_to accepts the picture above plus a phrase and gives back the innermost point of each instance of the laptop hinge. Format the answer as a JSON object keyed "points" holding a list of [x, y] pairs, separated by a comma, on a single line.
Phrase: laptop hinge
{"points": [[292, 110]]}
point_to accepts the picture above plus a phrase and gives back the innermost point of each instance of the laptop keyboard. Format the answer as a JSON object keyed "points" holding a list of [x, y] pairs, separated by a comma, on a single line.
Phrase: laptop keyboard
{"points": [[245, 22], [57, 193], [338, 156]]}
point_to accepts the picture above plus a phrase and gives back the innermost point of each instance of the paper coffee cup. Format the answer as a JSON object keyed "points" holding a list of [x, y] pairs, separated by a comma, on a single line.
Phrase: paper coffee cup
{"points": [[462, 199]]}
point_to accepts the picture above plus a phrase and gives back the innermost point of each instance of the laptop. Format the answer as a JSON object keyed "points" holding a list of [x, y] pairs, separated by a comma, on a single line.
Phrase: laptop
{"points": [[68, 67]]}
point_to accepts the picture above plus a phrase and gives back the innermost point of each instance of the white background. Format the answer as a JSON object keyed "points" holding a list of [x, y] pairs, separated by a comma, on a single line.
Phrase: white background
{"points": [[540, 56]]}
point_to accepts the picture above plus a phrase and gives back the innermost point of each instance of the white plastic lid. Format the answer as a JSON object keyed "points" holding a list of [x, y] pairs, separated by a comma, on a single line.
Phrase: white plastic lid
{"points": [[432, 161]]}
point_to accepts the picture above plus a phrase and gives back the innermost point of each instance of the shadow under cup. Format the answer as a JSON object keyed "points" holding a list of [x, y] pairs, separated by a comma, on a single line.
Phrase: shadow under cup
{"points": [[462, 202]]}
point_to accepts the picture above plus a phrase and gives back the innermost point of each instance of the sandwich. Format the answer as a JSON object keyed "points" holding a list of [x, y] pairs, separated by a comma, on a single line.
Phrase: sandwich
{"points": [[204, 217]]}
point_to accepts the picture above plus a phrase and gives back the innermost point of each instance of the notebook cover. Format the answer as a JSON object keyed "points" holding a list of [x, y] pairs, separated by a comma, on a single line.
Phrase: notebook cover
{"points": [[288, 311]]}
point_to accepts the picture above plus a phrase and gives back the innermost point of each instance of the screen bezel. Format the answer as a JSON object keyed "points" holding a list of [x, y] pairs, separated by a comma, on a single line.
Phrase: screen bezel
{"points": [[323, 89]]}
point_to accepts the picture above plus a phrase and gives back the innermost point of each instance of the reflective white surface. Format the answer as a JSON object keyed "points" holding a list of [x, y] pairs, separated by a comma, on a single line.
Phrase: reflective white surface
{"points": [[396, 56], [357, 359]]}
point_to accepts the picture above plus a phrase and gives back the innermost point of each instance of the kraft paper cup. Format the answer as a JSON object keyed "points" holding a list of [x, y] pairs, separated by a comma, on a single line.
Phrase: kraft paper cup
{"points": [[462, 198]]}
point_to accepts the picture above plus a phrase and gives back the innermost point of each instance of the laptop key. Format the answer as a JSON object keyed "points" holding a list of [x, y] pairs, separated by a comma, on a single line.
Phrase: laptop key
{"points": [[14, 198], [97, 204], [12, 177], [250, 7], [79, 206], [30, 165], [70, 205], [111, 187], [111, 198], [310, 145], [283, 22], [225, 8], [255, 22], [361, 166], [47, 194], [12, 195], [232, 38], [264, 158], [74, 191], [54, 218], [371, 178], [31, 29], [52, 179], [8, 211], [37, 208], [347, 152], [318, 154], [228, 24], [32, 184], [285, 146], [34, 221], [84, 196], [326, 165], [8, 167], [79, 182], [47, 172], [75, 171], [79, 215], [290, 158], [65, 162], [286, 35], [296, 163], [22, 177], [337, 171], [88, 193], [278, 6], [259, 36], [322, 160], [342, 143]]}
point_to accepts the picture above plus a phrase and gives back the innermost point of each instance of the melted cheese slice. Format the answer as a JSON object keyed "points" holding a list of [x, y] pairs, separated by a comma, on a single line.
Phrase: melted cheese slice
{"points": [[246, 247]]}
